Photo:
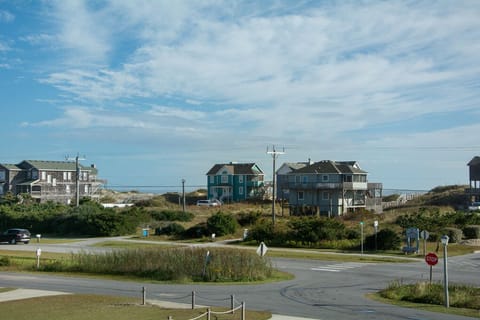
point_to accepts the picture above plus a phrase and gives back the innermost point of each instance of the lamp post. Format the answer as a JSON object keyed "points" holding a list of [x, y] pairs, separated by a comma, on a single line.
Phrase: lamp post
{"points": [[444, 240], [375, 225]]}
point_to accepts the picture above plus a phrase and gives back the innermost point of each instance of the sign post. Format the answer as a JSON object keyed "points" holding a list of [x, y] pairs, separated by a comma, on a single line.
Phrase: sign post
{"points": [[424, 235], [38, 253], [431, 259]]}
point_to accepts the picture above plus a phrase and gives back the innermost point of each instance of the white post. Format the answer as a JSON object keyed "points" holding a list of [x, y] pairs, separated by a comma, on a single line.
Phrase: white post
{"points": [[445, 239]]}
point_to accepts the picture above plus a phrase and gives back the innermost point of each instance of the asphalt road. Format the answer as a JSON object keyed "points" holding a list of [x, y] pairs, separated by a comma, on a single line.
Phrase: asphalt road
{"points": [[320, 290]]}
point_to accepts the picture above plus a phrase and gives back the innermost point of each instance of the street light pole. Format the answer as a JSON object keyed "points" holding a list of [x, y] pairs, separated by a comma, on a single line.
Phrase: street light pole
{"points": [[444, 240]]}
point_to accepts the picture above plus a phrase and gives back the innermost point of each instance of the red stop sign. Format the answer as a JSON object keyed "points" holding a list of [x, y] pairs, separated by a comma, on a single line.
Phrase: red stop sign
{"points": [[431, 259]]}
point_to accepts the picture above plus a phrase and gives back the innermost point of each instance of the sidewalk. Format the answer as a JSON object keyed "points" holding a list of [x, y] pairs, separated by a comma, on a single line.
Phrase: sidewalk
{"points": [[19, 294]]}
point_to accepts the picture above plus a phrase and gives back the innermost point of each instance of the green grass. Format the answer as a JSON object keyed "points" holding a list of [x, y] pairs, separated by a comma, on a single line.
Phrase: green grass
{"points": [[130, 244], [80, 307], [464, 299], [427, 307]]}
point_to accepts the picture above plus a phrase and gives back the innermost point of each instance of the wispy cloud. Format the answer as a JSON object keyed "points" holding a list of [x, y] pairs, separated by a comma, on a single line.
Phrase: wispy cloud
{"points": [[312, 75], [6, 16]]}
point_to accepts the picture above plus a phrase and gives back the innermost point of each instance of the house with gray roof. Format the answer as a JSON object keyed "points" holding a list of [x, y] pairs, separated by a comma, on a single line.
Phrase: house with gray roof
{"points": [[49, 180], [331, 188], [232, 182]]}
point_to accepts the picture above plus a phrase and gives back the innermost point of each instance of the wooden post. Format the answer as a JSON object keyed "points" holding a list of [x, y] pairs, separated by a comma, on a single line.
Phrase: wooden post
{"points": [[144, 295], [232, 303], [208, 314], [243, 311]]}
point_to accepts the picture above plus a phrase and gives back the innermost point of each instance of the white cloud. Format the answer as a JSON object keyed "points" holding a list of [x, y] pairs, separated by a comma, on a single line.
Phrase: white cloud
{"points": [[253, 74], [6, 16]]}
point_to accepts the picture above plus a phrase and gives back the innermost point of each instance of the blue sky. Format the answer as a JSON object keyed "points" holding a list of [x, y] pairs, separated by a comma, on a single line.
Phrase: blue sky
{"points": [[156, 91]]}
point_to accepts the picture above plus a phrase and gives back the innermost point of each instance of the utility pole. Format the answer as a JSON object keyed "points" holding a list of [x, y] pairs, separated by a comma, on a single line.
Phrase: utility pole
{"points": [[77, 178], [274, 153], [183, 195]]}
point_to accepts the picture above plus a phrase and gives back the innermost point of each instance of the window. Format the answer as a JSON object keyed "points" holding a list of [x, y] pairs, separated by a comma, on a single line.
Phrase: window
{"points": [[224, 178], [304, 179], [325, 178], [34, 174], [64, 175], [212, 179], [240, 179], [325, 195], [69, 176], [49, 179], [54, 182], [44, 175], [67, 189], [86, 188], [2, 175], [301, 195], [240, 190]]}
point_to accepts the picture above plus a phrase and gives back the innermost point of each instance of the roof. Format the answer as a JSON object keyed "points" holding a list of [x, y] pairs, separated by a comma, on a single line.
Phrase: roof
{"points": [[56, 165], [475, 161], [236, 168], [10, 166], [297, 165], [329, 166]]}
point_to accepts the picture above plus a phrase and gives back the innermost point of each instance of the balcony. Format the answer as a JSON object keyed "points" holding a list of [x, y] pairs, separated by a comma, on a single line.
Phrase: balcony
{"points": [[328, 186]]}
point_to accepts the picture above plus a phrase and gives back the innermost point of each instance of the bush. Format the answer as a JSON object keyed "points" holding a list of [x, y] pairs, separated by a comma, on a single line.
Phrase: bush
{"points": [[248, 218], [455, 235], [221, 224], [197, 231], [172, 215], [171, 229], [472, 232], [387, 239], [4, 261]]}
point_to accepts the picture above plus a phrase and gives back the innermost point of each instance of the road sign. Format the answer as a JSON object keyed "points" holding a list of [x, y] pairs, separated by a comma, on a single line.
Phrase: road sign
{"points": [[424, 234], [262, 249], [431, 259]]}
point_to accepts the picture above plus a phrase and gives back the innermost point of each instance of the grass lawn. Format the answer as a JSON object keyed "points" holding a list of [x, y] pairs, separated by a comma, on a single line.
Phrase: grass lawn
{"points": [[93, 307], [427, 307]]}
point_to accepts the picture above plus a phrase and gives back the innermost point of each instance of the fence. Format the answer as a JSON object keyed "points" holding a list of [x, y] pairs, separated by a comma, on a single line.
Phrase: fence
{"points": [[402, 200], [207, 315]]}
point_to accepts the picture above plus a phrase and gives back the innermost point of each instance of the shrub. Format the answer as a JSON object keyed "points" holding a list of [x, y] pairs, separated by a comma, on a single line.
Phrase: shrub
{"points": [[472, 232], [387, 239], [172, 215], [197, 231], [262, 231], [171, 229], [454, 234], [248, 218], [221, 224], [4, 261]]}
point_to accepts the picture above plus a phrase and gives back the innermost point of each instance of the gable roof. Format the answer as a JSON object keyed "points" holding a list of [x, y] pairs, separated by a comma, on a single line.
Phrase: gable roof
{"points": [[236, 168], [475, 161], [329, 166], [10, 166], [56, 165]]}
